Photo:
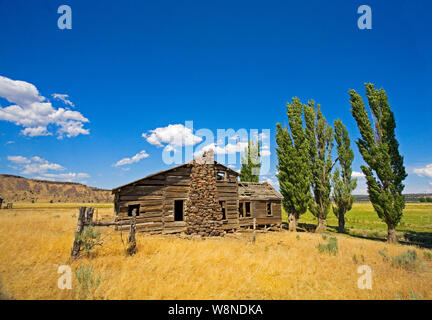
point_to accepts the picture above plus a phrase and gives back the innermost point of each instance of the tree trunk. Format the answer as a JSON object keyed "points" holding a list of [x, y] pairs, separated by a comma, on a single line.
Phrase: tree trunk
{"points": [[341, 228], [322, 225], [292, 222], [391, 235]]}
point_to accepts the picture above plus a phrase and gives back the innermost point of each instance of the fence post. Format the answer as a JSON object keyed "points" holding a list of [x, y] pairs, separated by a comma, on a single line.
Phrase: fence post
{"points": [[80, 227], [132, 241], [254, 228], [89, 216]]}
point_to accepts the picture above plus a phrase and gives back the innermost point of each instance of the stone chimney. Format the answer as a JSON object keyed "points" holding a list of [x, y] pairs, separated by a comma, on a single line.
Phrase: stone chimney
{"points": [[203, 212]]}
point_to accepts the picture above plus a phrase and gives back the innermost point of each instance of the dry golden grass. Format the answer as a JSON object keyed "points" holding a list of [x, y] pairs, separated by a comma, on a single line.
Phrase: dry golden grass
{"points": [[278, 266]]}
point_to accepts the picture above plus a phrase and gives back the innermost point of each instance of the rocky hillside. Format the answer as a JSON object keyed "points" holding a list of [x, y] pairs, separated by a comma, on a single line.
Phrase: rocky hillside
{"points": [[20, 189]]}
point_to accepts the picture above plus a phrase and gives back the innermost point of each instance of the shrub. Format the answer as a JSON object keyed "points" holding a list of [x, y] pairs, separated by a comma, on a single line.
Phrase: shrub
{"points": [[384, 254], [87, 280], [89, 239], [427, 255], [422, 199], [408, 260], [428, 199], [331, 247], [412, 296]]}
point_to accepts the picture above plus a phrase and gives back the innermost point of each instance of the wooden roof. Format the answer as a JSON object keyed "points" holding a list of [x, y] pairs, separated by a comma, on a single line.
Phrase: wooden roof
{"points": [[258, 191], [166, 171]]}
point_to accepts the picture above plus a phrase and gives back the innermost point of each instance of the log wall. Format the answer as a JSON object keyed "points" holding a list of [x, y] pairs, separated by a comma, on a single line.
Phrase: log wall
{"points": [[156, 194]]}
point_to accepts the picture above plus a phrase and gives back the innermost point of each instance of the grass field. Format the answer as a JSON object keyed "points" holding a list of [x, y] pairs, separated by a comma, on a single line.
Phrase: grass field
{"points": [[36, 239], [362, 221]]}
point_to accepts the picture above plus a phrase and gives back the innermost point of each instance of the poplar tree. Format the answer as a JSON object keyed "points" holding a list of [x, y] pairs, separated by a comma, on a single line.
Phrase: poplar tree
{"points": [[293, 167], [343, 183], [379, 148], [251, 163], [320, 140]]}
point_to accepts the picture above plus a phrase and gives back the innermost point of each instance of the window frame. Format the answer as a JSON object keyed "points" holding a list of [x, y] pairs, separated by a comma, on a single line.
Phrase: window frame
{"points": [[131, 207], [269, 203], [223, 176], [222, 203]]}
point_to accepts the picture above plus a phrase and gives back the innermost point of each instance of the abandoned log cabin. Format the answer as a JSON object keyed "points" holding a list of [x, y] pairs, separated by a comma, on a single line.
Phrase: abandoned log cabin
{"points": [[199, 197]]}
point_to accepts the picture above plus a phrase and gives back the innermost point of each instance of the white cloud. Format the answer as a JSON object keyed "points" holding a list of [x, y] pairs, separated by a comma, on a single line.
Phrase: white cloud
{"points": [[173, 134], [36, 132], [134, 159], [35, 113], [40, 166], [43, 169], [424, 172], [357, 174], [64, 98], [10, 142], [69, 177], [230, 148], [18, 159]]}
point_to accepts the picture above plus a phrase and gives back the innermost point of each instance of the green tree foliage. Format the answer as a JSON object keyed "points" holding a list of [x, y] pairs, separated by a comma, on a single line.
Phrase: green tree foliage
{"points": [[320, 139], [343, 183], [251, 163], [379, 148], [293, 167]]}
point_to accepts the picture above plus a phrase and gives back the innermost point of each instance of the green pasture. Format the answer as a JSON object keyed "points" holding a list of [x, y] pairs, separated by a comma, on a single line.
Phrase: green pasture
{"points": [[362, 221]]}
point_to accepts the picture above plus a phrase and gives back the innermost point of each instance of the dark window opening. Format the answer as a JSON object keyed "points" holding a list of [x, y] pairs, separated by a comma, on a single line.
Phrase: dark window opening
{"points": [[248, 209], [222, 204], [220, 176], [178, 210], [133, 207], [241, 213], [269, 211]]}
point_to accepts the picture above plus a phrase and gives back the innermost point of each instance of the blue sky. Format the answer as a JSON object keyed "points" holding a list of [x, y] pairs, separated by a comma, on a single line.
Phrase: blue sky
{"points": [[130, 68]]}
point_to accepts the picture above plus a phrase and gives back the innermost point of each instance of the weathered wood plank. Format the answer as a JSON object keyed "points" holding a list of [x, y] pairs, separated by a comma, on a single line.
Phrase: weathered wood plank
{"points": [[173, 230], [175, 224], [173, 195], [145, 197], [183, 189]]}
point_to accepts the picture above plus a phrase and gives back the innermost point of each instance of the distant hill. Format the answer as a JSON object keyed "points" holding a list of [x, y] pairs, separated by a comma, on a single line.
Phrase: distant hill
{"points": [[20, 189], [409, 197]]}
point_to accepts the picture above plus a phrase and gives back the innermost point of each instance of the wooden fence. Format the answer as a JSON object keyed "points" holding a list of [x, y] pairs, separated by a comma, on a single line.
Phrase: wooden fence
{"points": [[85, 219]]}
